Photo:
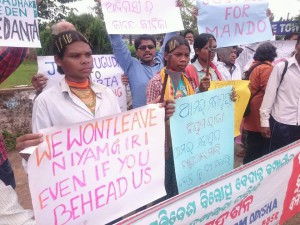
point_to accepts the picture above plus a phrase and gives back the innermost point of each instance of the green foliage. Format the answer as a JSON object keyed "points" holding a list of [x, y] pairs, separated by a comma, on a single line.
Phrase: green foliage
{"points": [[132, 50], [187, 16], [10, 139], [54, 10], [93, 28], [22, 76], [45, 37]]}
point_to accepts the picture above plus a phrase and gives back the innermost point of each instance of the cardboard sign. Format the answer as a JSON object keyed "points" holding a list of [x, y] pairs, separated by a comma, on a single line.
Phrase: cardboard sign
{"points": [[19, 24], [106, 71], [251, 194], [243, 95], [202, 137], [99, 170], [141, 17], [234, 22]]}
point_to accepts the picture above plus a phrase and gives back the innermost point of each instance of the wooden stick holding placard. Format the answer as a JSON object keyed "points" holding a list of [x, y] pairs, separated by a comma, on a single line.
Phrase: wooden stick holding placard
{"points": [[208, 57], [163, 90]]}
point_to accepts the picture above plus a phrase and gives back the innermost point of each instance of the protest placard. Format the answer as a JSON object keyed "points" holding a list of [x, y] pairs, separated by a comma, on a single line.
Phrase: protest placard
{"points": [[234, 22], [19, 24], [96, 171], [202, 137], [242, 90], [285, 27], [141, 17], [106, 71], [265, 191]]}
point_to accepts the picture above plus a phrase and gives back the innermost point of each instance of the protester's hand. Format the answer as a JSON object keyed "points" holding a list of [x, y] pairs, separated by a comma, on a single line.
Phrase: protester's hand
{"points": [[170, 108], [39, 82], [28, 140], [233, 95], [265, 132], [124, 79], [204, 84], [168, 104]]}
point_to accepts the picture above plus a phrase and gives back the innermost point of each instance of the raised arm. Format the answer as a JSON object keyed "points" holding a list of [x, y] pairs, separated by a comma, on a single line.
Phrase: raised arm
{"points": [[121, 51]]}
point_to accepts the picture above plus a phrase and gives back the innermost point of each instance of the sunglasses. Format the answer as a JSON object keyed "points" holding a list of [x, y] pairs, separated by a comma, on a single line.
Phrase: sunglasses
{"points": [[144, 47]]}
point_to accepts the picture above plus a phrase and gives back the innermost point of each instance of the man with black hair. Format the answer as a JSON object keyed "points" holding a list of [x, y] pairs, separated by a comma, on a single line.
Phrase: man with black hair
{"points": [[189, 36], [40, 81], [141, 69], [291, 36]]}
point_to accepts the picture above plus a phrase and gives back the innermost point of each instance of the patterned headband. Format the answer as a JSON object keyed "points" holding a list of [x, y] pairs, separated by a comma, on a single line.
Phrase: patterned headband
{"points": [[66, 38]]}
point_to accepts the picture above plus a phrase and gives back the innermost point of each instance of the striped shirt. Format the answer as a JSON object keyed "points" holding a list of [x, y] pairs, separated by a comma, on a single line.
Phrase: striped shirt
{"points": [[10, 59]]}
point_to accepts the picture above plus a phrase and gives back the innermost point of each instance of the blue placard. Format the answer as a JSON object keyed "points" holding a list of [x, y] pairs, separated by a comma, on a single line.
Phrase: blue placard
{"points": [[235, 23], [285, 27], [202, 137]]}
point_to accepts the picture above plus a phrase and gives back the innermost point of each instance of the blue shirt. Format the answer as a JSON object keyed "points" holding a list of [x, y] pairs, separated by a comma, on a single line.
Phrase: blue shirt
{"points": [[138, 73]]}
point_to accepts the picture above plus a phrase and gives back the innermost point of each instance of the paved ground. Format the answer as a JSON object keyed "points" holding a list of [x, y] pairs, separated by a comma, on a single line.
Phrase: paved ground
{"points": [[24, 195]]}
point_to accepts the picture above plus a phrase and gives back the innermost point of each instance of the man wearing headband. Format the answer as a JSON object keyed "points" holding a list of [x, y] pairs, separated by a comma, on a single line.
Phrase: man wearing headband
{"points": [[40, 81], [75, 98]]}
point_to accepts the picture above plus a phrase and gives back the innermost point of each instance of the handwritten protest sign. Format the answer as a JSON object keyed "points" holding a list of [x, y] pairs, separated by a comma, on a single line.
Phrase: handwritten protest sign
{"points": [[19, 24], [202, 137], [141, 17], [251, 194], [234, 22], [106, 71], [242, 98], [285, 27], [88, 173]]}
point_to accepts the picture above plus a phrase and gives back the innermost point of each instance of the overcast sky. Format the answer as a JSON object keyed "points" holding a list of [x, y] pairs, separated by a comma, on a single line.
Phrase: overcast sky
{"points": [[280, 8]]}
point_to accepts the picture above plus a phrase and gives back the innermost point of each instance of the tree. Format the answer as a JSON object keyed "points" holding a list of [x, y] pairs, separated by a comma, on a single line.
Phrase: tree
{"points": [[93, 28], [187, 15], [54, 10]]}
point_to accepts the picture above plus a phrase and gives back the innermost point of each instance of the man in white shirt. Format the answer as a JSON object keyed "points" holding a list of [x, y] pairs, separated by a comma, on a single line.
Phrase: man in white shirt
{"points": [[230, 66], [226, 64], [75, 98], [279, 112], [189, 36]]}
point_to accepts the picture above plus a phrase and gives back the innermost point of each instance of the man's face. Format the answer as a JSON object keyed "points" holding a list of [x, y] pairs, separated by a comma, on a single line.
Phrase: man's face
{"points": [[190, 38], [77, 62], [294, 37], [146, 52], [230, 56]]}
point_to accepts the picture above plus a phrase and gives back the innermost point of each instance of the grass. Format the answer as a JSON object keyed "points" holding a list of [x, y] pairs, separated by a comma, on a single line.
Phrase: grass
{"points": [[10, 139], [22, 76]]}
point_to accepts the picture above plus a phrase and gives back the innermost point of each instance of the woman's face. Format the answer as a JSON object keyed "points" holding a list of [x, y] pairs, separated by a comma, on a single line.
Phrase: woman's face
{"points": [[77, 62], [203, 53], [180, 58]]}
